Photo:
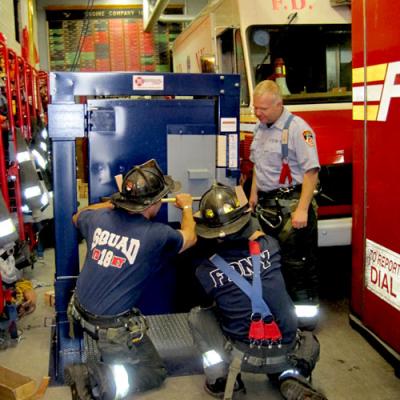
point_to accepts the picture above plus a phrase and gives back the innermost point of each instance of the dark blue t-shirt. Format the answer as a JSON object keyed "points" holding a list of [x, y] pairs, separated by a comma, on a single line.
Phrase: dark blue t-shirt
{"points": [[123, 252], [233, 305]]}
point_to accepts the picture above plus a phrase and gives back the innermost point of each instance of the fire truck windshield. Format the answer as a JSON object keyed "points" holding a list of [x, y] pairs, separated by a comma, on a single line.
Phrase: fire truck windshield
{"points": [[311, 63]]}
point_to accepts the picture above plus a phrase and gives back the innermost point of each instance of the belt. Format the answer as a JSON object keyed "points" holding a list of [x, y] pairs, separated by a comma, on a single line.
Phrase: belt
{"points": [[259, 361], [282, 193], [132, 321], [267, 356], [284, 205], [105, 321]]}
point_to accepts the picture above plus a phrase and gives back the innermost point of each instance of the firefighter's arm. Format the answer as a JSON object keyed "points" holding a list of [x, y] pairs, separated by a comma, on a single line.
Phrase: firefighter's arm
{"points": [[94, 206], [253, 192], [300, 215], [188, 225]]}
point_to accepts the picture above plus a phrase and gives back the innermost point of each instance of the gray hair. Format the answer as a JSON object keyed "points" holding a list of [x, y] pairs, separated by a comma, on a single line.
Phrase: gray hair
{"points": [[270, 87]]}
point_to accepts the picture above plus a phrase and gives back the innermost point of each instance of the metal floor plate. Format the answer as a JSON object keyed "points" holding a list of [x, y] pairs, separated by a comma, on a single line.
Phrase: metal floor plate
{"points": [[171, 336]]}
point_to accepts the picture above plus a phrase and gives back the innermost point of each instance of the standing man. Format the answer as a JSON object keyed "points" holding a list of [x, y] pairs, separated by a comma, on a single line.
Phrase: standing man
{"points": [[285, 177], [125, 249]]}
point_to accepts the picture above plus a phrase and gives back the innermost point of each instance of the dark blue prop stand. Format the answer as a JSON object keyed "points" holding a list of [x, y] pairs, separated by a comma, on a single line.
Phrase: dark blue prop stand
{"points": [[188, 122]]}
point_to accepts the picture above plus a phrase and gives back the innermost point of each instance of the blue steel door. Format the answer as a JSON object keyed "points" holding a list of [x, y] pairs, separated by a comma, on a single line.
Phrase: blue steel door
{"points": [[123, 133]]}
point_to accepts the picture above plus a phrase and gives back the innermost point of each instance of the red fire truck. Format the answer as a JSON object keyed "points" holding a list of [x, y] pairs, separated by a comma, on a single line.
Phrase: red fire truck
{"points": [[375, 299], [305, 45]]}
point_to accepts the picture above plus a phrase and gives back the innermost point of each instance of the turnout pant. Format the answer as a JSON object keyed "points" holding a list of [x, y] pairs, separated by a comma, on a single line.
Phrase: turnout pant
{"points": [[122, 340], [141, 360], [302, 353]]}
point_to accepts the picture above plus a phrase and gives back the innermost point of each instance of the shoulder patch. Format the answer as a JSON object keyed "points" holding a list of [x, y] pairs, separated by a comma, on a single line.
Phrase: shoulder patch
{"points": [[308, 138]]}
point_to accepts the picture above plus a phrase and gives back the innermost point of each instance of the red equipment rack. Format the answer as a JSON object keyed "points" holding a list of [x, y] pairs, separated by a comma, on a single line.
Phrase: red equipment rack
{"points": [[11, 178], [25, 90]]}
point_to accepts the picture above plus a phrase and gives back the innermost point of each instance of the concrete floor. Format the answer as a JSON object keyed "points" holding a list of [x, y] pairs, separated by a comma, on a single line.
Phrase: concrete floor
{"points": [[349, 368]]}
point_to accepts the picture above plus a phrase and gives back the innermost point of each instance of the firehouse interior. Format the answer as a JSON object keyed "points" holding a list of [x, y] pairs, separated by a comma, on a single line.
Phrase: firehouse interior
{"points": [[88, 89]]}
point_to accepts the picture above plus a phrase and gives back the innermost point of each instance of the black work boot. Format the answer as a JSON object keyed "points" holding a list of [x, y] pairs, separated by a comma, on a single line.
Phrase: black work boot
{"points": [[217, 389], [101, 381], [298, 388], [77, 377]]}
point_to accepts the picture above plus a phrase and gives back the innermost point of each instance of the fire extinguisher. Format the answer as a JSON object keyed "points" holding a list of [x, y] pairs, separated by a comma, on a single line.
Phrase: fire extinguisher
{"points": [[280, 76]]}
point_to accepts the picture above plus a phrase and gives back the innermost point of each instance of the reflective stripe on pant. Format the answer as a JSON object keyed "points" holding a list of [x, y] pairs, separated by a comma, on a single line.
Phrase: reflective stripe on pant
{"points": [[207, 335], [145, 368]]}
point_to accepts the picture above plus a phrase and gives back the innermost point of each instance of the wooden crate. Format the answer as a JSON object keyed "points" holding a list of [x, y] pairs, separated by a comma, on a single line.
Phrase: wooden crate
{"points": [[14, 386]]}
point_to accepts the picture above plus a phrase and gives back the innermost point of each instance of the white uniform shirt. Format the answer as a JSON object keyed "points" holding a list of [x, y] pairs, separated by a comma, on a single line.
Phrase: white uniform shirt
{"points": [[266, 152]]}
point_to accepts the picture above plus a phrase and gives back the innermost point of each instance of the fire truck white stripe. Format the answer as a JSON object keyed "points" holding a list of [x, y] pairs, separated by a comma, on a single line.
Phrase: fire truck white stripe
{"points": [[374, 93]]}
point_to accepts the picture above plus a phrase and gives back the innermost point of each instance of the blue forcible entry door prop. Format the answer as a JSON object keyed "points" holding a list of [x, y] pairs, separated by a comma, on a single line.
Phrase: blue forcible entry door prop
{"points": [[188, 122]]}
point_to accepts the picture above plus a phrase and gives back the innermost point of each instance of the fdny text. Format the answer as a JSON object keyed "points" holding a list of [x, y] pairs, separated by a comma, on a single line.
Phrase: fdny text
{"points": [[244, 267]]}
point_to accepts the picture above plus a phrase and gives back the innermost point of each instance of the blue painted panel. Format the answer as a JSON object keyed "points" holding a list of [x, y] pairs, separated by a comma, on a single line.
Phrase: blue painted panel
{"points": [[65, 85], [66, 120], [140, 133], [65, 204]]}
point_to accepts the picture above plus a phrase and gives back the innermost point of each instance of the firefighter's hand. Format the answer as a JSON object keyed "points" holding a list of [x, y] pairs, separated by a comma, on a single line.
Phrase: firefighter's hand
{"points": [[253, 200], [299, 218], [183, 200]]}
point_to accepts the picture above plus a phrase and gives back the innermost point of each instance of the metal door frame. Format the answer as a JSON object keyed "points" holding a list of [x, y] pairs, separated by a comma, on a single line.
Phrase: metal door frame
{"points": [[67, 121]]}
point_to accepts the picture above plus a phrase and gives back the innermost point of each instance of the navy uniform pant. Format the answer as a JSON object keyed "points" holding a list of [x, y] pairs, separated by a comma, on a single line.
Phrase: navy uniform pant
{"points": [[298, 248]]}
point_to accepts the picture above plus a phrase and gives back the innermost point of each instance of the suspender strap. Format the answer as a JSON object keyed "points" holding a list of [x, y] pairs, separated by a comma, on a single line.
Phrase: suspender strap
{"points": [[254, 292], [257, 297], [234, 369], [259, 330], [263, 328], [285, 171]]}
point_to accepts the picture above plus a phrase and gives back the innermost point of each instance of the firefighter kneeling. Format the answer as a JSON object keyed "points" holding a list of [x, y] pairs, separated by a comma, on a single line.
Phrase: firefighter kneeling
{"points": [[125, 250], [250, 322], [129, 360]]}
